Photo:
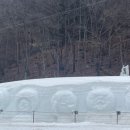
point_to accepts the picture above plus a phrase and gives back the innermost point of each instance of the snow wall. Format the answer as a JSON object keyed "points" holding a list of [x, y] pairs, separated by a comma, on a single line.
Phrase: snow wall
{"points": [[64, 95]]}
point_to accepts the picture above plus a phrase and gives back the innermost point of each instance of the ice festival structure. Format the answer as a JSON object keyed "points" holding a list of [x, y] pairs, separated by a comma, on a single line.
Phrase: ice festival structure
{"points": [[51, 98]]}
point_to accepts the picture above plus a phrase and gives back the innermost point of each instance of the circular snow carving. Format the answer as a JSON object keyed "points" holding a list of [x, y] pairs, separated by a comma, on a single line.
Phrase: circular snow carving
{"points": [[64, 101], [4, 100], [27, 100], [100, 100]]}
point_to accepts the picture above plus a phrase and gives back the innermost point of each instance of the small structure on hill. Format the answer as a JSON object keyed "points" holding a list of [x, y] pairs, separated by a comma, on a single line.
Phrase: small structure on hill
{"points": [[125, 71]]}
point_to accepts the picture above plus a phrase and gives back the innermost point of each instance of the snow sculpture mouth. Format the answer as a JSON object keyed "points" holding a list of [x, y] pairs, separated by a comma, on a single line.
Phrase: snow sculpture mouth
{"points": [[27, 100], [64, 101], [100, 99]]}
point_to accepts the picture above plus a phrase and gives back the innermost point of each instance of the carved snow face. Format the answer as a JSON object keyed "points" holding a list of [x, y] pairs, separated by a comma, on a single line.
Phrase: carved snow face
{"points": [[27, 100], [100, 99], [64, 101], [24, 104]]}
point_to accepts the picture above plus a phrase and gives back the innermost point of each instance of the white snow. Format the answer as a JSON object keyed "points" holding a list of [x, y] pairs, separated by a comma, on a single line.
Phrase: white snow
{"points": [[55, 99], [53, 126], [101, 99], [46, 82]]}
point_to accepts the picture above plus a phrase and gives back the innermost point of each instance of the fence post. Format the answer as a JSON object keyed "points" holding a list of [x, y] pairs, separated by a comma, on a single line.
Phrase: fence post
{"points": [[1, 110], [75, 116], [117, 119], [33, 116]]}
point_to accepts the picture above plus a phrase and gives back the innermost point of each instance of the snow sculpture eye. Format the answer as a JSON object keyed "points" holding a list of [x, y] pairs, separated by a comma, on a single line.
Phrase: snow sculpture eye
{"points": [[4, 100], [64, 101], [100, 100], [26, 100]]}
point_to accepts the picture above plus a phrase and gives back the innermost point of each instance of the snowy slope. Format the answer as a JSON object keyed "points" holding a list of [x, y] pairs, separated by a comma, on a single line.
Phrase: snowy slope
{"points": [[54, 99]]}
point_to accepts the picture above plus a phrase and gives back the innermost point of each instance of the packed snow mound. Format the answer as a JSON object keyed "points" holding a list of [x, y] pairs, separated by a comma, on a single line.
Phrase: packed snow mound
{"points": [[4, 98], [22, 118], [56, 99]]}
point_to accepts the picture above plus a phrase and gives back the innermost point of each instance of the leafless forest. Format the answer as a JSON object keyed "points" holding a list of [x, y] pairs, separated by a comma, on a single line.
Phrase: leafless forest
{"points": [[52, 38]]}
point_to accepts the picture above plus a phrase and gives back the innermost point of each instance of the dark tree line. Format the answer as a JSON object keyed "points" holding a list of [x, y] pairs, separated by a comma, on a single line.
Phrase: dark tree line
{"points": [[86, 27]]}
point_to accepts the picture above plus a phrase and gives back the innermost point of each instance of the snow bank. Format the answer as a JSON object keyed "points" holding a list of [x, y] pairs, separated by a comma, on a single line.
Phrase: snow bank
{"points": [[79, 126], [54, 99]]}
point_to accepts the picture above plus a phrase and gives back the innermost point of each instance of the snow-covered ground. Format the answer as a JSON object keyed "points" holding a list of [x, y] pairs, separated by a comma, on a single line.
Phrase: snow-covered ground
{"points": [[52, 126]]}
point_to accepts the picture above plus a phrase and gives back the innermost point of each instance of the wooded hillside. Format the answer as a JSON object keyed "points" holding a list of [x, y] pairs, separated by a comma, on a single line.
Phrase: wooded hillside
{"points": [[52, 38]]}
